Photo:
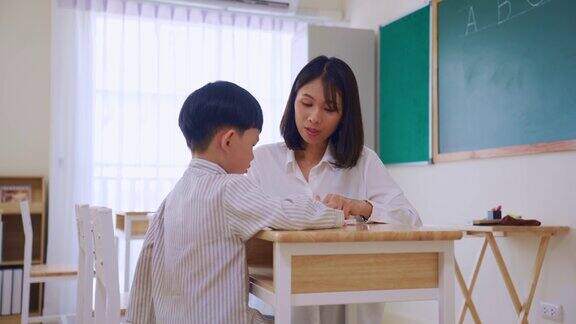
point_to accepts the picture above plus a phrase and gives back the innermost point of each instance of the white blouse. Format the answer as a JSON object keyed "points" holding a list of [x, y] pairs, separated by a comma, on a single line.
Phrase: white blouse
{"points": [[275, 169]]}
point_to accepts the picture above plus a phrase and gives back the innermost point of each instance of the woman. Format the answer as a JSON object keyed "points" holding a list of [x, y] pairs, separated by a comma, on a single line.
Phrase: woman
{"points": [[323, 155]]}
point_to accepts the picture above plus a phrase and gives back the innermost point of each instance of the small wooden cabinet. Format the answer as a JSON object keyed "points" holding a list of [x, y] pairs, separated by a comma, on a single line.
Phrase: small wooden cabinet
{"points": [[12, 252]]}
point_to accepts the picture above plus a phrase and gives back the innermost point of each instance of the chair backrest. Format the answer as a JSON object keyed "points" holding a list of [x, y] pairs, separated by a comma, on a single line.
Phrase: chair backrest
{"points": [[28, 236], [85, 284], [107, 297]]}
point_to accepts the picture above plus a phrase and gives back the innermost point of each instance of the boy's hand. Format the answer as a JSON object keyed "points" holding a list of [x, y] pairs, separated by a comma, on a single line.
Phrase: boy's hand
{"points": [[348, 206]]}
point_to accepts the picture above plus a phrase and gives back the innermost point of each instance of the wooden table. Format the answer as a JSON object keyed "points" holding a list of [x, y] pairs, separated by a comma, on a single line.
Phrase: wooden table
{"points": [[364, 263], [131, 226], [488, 233]]}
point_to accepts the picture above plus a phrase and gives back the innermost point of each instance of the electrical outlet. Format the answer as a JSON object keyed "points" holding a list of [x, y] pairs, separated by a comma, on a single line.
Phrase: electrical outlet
{"points": [[551, 311]]}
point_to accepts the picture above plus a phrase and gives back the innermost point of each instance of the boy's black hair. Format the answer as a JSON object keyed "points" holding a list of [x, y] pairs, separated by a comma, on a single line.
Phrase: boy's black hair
{"points": [[216, 105], [347, 141]]}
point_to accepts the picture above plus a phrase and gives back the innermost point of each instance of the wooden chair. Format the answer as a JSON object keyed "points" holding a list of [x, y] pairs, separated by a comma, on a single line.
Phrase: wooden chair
{"points": [[85, 290], [38, 273], [109, 306]]}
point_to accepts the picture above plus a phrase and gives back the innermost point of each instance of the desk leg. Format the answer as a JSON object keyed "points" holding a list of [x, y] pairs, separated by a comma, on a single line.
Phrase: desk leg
{"points": [[282, 284], [446, 287], [351, 312], [126, 264]]}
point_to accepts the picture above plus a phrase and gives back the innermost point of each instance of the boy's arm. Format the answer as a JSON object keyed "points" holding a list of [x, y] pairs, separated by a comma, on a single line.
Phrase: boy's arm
{"points": [[249, 210]]}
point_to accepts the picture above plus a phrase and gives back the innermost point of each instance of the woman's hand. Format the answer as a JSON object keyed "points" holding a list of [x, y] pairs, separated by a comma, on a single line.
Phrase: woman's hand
{"points": [[348, 206]]}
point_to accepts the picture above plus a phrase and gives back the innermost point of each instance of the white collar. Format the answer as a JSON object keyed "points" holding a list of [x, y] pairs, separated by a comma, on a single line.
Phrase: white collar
{"points": [[327, 158]]}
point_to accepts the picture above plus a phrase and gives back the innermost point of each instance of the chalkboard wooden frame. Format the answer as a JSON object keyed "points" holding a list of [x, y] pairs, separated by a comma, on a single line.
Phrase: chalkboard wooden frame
{"points": [[557, 146]]}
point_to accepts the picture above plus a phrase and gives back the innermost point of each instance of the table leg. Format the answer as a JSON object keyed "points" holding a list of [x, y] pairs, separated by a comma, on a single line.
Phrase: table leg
{"points": [[282, 288], [467, 296], [446, 285], [351, 313], [282, 285], [126, 264], [471, 284], [504, 271], [523, 316]]}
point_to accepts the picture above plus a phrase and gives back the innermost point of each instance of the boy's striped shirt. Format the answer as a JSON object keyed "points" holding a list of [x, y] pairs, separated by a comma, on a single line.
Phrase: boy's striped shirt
{"points": [[192, 267]]}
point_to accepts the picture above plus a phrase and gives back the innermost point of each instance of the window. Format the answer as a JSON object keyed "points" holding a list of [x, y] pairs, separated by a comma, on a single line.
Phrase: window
{"points": [[146, 59]]}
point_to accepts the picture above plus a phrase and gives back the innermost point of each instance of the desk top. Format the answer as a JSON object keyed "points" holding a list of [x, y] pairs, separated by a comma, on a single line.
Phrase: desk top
{"points": [[516, 230], [365, 233]]}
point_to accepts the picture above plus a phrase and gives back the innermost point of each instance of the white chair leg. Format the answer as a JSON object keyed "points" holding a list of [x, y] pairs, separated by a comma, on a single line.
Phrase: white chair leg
{"points": [[25, 301], [27, 226]]}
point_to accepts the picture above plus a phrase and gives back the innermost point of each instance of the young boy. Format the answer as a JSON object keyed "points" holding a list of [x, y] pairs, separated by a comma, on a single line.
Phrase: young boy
{"points": [[192, 268]]}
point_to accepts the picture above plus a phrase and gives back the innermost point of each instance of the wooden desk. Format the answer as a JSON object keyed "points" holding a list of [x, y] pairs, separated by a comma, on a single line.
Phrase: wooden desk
{"points": [[355, 264], [488, 233]]}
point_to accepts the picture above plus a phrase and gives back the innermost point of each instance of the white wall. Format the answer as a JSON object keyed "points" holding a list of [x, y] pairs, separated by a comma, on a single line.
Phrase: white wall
{"points": [[357, 53], [24, 87], [331, 9], [538, 186]]}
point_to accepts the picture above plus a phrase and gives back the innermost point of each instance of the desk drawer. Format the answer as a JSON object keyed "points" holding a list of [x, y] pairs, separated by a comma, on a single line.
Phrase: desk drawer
{"points": [[139, 227], [361, 272]]}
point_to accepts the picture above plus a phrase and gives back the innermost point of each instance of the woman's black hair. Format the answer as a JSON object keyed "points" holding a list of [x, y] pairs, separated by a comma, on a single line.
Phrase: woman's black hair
{"points": [[216, 105], [347, 141]]}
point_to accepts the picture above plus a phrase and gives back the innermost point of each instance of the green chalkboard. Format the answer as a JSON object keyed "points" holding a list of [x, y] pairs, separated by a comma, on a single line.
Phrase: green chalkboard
{"points": [[507, 73], [404, 89]]}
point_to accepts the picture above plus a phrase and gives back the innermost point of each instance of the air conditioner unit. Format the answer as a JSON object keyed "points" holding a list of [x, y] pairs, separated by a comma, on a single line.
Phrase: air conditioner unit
{"points": [[281, 7]]}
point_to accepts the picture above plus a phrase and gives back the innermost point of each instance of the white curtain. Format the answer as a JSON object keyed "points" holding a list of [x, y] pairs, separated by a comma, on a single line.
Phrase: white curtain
{"points": [[121, 71]]}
